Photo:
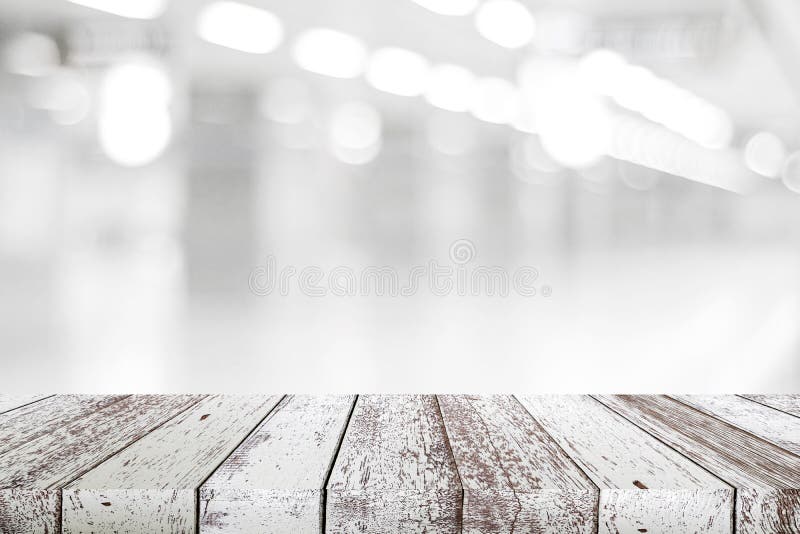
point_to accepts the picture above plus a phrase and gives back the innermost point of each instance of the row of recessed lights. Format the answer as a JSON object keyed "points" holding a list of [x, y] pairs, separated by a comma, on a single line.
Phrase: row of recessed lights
{"points": [[337, 54], [505, 22]]}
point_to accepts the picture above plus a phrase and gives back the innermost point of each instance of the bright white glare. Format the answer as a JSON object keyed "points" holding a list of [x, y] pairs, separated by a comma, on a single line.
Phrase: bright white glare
{"points": [[450, 87], [574, 125], [764, 154], [397, 71], [452, 135], [638, 89], [539, 77], [133, 140], [355, 133], [141, 84], [136, 9], [600, 69], [30, 54], [240, 27], [286, 101], [456, 8], [65, 97], [505, 22], [134, 123], [791, 172], [330, 53], [494, 100]]}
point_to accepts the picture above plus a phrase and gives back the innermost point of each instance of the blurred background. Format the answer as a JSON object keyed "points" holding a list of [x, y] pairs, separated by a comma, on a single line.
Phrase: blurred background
{"points": [[643, 156]]}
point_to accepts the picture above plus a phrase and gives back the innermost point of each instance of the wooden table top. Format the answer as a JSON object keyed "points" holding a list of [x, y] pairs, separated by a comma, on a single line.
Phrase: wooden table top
{"points": [[400, 463]]}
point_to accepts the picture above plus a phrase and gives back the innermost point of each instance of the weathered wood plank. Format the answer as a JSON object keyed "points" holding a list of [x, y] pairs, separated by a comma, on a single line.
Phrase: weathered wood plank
{"points": [[785, 403], [10, 402], [274, 481], [774, 426], [394, 471], [644, 485], [515, 477], [766, 477], [46, 415], [32, 474], [151, 485]]}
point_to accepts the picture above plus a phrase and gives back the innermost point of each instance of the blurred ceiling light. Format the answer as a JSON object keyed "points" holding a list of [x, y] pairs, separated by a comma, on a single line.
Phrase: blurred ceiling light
{"points": [[330, 53], [574, 126], [240, 27], [505, 22], [450, 87], [452, 135], [494, 100], [30, 54], [397, 71], [355, 133], [764, 154], [64, 96], [791, 172], [654, 146], [138, 9], [455, 8], [287, 101], [139, 81], [134, 123], [600, 69], [637, 89]]}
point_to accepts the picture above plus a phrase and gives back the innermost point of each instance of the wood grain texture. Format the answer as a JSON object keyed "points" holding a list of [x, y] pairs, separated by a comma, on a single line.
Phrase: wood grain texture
{"points": [[32, 475], [766, 477], [274, 481], [515, 477], [151, 485], [10, 402], [643, 483], [785, 403], [774, 426], [394, 471], [46, 415]]}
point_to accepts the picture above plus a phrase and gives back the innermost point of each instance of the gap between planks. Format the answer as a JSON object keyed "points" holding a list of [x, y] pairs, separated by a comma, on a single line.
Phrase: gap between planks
{"points": [[557, 444], [324, 504], [450, 449], [233, 450]]}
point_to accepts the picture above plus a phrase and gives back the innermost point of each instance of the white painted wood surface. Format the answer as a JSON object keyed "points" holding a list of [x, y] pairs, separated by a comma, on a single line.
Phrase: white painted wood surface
{"points": [[151, 485], [27, 422], [141, 461], [775, 426], [394, 472], [785, 403], [273, 483], [645, 486], [515, 477], [767, 478], [32, 474], [10, 402]]}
